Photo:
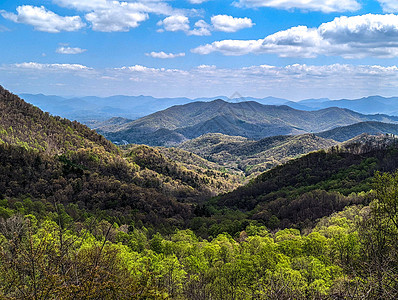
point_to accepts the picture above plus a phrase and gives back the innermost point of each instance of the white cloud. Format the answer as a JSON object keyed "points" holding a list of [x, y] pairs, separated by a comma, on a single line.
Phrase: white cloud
{"points": [[143, 69], [143, 6], [230, 24], [306, 5], [116, 19], [44, 20], [201, 28], [83, 5], [349, 37], [138, 68], [292, 81], [181, 23], [70, 50], [389, 5], [164, 55], [197, 1], [51, 67], [175, 23], [112, 15]]}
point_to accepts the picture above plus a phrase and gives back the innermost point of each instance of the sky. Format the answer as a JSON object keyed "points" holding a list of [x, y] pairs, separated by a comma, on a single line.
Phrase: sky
{"points": [[292, 49]]}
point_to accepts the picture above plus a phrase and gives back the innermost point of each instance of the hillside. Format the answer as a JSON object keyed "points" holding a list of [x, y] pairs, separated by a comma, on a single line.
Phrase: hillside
{"points": [[247, 119], [253, 157], [315, 185], [51, 160], [345, 133]]}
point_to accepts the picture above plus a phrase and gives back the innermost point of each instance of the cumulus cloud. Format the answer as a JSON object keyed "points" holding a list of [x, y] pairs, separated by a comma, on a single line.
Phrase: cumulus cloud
{"points": [[349, 37], [44, 20], [292, 81], [164, 55], [218, 23], [115, 20], [112, 15], [230, 24], [389, 5], [144, 6], [175, 23], [51, 67], [147, 73], [70, 50], [201, 28], [181, 23], [306, 5]]}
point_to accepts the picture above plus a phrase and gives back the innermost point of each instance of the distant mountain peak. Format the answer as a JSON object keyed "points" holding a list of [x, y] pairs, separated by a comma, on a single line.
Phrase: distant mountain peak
{"points": [[248, 119]]}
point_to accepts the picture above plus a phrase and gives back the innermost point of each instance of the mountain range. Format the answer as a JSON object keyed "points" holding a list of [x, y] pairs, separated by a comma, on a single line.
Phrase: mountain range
{"points": [[246, 119], [93, 110], [50, 160], [256, 156], [366, 105]]}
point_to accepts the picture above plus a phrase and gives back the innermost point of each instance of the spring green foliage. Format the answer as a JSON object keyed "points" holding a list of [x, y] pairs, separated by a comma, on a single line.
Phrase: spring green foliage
{"points": [[314, 185], [81, 219], [343, 257], [253, 157]]}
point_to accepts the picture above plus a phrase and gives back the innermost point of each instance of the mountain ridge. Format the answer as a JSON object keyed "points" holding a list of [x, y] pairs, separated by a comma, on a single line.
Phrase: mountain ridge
{"points": [[248, 119], [50, 160]]}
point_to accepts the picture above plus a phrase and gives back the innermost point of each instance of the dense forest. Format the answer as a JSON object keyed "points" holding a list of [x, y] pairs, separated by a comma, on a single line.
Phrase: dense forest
{"points": [[83, 219], [254, 157], [52, 160], [348, 255]]}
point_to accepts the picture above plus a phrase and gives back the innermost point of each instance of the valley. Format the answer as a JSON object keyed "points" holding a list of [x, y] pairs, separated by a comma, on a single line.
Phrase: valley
{"points": [[208, 190]]}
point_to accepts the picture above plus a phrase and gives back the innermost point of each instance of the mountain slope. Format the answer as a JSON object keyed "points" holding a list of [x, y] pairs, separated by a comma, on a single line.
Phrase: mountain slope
{"points": [[27, 126], [345, 133], [254, 157], [247, 119], [316, 184], [51, 160]]}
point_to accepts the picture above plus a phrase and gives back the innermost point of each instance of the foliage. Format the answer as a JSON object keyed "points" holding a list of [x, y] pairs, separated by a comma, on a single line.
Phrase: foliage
{"points": [[253, 157]]}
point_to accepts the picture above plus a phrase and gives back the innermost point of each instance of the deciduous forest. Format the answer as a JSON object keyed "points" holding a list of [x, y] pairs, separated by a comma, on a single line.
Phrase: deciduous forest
{"points": [[83, 219]]}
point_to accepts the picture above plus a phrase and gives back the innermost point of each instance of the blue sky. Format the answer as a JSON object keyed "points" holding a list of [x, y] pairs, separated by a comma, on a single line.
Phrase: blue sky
{"points": [[294, 49]]}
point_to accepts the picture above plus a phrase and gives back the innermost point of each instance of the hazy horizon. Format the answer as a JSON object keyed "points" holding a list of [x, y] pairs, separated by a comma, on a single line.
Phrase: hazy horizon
{"points": [[200, 48]]}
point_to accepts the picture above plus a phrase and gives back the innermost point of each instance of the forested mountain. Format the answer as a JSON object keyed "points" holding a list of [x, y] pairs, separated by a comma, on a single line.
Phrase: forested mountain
{"points": [[247, 119], [79, 217], [94, 110], [316, 184], [344, 133], [51, 160], [253, 157]]}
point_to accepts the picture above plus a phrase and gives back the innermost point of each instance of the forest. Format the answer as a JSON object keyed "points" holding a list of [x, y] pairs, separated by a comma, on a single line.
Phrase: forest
{"points": [[351, 254], [83, 219]]}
